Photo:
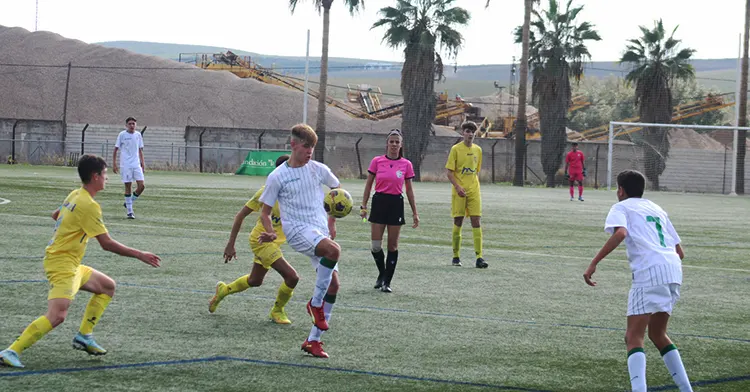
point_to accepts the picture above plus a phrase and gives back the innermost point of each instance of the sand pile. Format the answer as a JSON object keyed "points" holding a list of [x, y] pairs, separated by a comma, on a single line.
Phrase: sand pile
{"points": [[178, 96], [688, 138]]}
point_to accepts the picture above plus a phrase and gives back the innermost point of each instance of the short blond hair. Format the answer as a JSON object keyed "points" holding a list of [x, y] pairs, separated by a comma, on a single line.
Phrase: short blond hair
{"points": [[305, 133]]}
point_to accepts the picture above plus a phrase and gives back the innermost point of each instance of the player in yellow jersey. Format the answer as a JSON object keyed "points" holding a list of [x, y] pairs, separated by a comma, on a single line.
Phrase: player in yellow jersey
{"points": [[77, 220], [267, 255], [462, 168]]}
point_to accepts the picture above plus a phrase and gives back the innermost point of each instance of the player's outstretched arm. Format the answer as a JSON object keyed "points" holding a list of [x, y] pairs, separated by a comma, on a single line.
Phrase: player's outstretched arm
{"points": [[110, 245], [452, 178], [679, 251], [412, 202], [366, 196], [143, 162], [114, 159], [612, 243], [229, 251], [55, 214], [332, 227], [265, 219]]}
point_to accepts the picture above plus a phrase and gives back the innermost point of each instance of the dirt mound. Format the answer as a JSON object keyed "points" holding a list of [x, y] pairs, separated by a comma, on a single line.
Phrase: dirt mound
{"points": [[180, 95], [688, 138]]}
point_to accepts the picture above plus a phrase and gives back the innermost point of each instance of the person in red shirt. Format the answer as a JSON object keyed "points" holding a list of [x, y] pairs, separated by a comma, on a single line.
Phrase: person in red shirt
{"points": [[390, 172], [575, 170]]}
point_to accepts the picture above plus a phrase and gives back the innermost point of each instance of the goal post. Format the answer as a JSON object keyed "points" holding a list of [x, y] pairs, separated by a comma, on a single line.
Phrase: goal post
{"points": [[693, 163]]}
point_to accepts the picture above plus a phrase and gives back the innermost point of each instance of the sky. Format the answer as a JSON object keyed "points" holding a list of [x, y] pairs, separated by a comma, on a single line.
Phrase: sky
{"points": [[268, 27]]}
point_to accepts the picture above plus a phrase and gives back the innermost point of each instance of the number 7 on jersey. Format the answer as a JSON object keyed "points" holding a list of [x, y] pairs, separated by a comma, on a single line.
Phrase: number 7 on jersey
{"points": [[657, 222]]}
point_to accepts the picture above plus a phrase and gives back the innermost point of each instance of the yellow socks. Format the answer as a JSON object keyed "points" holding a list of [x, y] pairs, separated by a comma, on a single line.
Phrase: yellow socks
{"points": [[456, 240], [35, 331], [283, 296], [93, 313], [477, 234], [238, 285]]}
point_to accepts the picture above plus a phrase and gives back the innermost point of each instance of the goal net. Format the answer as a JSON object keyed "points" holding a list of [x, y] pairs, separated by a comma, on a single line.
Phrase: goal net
{"points": [[676, 158]]}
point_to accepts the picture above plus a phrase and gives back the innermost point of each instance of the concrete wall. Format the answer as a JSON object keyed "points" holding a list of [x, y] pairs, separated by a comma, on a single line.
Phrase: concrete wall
{"points": [[36, 141], [691, 170], [162, 146]]}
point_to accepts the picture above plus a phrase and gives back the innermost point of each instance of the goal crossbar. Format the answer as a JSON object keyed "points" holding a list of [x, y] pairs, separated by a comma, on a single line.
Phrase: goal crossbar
{"points": [[611, 138]]}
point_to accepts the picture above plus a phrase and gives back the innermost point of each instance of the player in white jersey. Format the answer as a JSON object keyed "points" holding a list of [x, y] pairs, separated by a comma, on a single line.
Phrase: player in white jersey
{"points": [[130, 144], [296, 186], [655, 256]]}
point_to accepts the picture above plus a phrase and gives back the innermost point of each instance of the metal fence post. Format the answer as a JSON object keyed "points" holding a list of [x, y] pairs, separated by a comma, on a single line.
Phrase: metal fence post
{"points": [[493, 160], [83, 137], [171, 156], [200, 151], [260, 138], [359, 158]]}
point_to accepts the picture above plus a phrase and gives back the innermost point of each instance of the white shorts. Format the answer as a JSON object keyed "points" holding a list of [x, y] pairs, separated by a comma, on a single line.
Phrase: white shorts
{"points": [[654, 299], [130, 174], [305, 241]]}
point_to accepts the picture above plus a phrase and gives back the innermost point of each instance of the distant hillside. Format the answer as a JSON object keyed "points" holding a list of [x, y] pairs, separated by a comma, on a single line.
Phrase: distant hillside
{"points": [[471, 80], [287, 63]]}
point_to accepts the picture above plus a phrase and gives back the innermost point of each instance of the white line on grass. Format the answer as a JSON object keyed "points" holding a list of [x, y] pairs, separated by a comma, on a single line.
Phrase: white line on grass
{"points": [[490, 250], [4, 201]]}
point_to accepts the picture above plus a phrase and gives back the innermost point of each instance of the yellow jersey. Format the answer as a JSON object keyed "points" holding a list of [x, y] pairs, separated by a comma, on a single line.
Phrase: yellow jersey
{"points": [[80, 219], [465, 163], [256, 205]]}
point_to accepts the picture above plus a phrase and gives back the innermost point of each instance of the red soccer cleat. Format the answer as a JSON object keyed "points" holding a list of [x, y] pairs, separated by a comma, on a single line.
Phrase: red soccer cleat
{"points": [[314, 348], [318, 316]]}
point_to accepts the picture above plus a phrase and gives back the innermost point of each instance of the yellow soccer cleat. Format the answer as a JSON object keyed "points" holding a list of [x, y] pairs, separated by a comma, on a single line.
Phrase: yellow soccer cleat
{"points": [[221, 292], [279, 316]]}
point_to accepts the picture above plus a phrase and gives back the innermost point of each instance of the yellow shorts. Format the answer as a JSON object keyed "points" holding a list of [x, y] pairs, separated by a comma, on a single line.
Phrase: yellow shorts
{"points": [[470, 205], [266, 254], [65, 279]]}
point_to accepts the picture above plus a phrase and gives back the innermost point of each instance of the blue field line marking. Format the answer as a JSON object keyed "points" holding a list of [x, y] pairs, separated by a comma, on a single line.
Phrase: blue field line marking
{"points": [[108, 367], [703, 383], [389, 375], [259, 362], [419, 312]]}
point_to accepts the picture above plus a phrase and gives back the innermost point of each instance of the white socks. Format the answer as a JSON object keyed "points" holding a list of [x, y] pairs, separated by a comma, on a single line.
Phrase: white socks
{"points": [[637, 369]]}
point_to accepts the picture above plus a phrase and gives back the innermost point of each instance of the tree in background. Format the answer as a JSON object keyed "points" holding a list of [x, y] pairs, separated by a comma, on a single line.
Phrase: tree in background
{"points": [[421, 27], [742, 135], [656, 62], [612, 100], [324, 6], [557, 50], [519, 129]]}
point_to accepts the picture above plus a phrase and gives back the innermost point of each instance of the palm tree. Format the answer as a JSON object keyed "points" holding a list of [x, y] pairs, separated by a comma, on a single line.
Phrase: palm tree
{"points": [[421, 27], [519, 129], [656, 62], [742, 135], [324, 6], [557, 51]]}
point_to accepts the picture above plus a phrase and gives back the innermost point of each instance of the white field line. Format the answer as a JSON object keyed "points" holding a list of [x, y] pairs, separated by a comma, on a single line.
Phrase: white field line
{"points": [[4, 201], [433, 246]]}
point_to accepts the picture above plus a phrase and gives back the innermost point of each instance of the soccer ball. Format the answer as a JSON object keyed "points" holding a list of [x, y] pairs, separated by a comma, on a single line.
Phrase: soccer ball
{"points": [[338, 203]]}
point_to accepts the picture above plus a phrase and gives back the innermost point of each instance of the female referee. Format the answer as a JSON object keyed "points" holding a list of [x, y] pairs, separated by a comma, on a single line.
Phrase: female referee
{"points": [[390, 172]]}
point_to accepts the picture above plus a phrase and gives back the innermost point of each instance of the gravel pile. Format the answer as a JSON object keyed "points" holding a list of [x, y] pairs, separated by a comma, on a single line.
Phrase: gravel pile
{"points": [[179, 96]]}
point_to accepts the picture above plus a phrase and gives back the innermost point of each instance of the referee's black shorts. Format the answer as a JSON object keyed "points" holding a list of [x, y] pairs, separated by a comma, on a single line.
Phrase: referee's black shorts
{"points": [[387, 209]]}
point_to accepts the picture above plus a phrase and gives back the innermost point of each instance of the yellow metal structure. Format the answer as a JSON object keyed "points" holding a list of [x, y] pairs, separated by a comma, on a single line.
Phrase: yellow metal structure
{"points": [[244, 67], [532, 121], [680, 112]]}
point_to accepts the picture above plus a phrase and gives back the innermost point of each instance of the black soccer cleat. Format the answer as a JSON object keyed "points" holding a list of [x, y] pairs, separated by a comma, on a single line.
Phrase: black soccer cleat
{"points": [[378, 284], [481, 263], [386, 288], [456, 262]]}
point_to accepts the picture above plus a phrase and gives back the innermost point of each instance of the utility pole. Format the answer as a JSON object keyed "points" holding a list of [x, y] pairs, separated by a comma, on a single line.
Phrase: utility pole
{"points": [[36, 17]]}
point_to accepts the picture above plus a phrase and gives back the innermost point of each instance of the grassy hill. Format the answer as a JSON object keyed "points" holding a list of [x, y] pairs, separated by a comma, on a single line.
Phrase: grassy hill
{"points": [[471, 80]]}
